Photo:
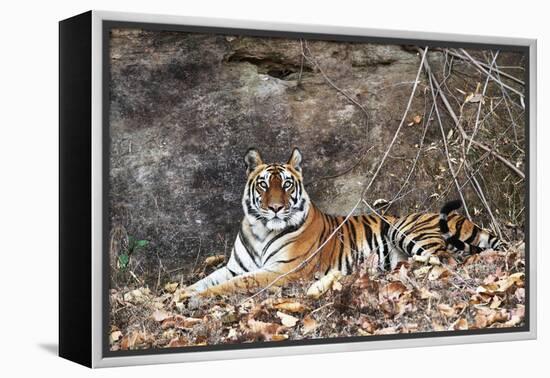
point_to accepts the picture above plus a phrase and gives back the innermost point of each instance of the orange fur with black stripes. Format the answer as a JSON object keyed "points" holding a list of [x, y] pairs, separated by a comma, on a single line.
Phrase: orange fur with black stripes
{"points": [[284, 237]]}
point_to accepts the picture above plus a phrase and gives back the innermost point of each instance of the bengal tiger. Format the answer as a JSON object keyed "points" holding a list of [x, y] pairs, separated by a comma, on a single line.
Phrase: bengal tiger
{"points": [[284, 237]]}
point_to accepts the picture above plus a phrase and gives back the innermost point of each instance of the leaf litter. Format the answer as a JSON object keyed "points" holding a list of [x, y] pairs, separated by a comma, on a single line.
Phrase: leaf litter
{"points": [[486, 290]]}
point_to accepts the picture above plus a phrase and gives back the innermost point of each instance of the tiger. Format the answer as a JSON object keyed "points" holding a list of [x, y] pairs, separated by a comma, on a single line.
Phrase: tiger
{"points": [[284, 237]]}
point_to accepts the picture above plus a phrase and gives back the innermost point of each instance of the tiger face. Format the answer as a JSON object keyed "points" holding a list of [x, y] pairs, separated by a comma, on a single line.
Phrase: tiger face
{"points": [[274, 195]]}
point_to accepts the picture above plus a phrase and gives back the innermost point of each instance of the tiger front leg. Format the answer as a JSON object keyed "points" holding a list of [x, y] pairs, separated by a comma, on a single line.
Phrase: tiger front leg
{"points": [[247, 283], [215, 278]]}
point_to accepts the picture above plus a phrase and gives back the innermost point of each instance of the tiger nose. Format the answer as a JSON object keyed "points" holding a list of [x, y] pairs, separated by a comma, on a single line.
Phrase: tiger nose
{"points": [[275, 207]]}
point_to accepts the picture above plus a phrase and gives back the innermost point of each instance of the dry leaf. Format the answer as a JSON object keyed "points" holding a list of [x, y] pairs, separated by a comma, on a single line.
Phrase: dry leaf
{"points": [[480, 320], [268, 330], [278, 337], [485, 316], [415, 120], [460, 305], [520, 294], [379, 201], [391, 291], [438, 272], [422, 272], [460, 324], [160, 315], [495, 302], [180, 322], [427, 294], [137, 296], [497, 316], [446, 310], [171, 287], [131, 341], [309, 324], [393, 299], [290, 306], [409, 328], [502, 285], [178, 342], [115, 336], [368, 326], [232, 335], [287, 320], [475, 98], [516, 316], [514, 279], [386, 331]]}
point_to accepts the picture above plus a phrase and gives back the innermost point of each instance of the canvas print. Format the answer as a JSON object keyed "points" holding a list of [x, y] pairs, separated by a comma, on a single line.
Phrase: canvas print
{"points": [[278, 190]]}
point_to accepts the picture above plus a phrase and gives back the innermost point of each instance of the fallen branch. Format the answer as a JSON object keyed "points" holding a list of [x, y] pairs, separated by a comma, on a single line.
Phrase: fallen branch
{"points": [[499, 157]]}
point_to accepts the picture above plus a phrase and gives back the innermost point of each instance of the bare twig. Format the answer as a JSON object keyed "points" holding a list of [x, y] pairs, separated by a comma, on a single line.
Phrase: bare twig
{"points": [[198, 255], [476, 125], [322, 307], [483, 199], [497, 71], [478, 66], [461, 129], [135, 278], [505, 97], [426, 121], [499, 157], [447, 156], [299, 81]]}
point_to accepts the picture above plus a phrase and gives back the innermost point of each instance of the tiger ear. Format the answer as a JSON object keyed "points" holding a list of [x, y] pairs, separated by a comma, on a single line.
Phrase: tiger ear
{"points": [[252, 159], [295, 160]]}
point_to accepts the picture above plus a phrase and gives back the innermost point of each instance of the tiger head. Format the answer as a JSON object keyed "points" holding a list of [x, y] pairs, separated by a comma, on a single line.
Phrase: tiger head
{"points": [[274, 194]]}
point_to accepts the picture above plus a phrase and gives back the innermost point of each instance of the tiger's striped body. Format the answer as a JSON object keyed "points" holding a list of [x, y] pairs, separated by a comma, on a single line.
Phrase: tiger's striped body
{"points": [[284, 237]]}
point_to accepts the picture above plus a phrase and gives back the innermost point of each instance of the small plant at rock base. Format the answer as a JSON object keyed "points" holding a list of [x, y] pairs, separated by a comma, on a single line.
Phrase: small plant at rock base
{"points": [[133, 245]]}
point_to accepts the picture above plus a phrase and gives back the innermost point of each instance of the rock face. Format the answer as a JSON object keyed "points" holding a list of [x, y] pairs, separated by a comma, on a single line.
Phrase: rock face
{"points": [[185, 107]]}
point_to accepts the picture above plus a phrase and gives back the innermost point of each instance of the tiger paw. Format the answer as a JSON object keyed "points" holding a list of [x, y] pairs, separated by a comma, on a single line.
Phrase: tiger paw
{"points": [[428, 259], [187, 293]]}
